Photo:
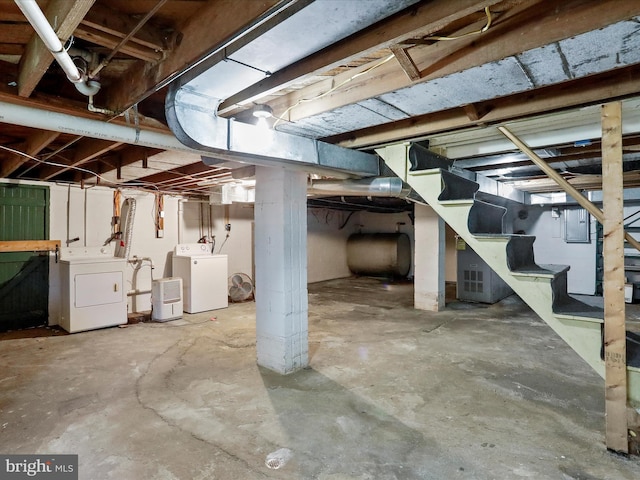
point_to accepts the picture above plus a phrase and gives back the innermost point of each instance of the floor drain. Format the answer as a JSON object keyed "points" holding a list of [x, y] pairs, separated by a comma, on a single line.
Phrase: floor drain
{"points": [[278, 459], [274, 463]]}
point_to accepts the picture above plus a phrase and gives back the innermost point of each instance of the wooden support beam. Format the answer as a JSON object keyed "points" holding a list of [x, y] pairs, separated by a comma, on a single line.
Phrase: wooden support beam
{"points": [[15, 33], [107, 20], [421, 20], [86, 149], [64, 16], [475, 111], [595, 89], [615, 353], [108, 40], [406, 63], [213, 25], [33, 145], [509, 36], [566, 186], [29, 245]]}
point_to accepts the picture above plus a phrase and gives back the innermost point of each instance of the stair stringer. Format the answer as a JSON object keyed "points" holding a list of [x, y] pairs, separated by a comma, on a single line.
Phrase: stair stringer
{"points": [[582, 334]]}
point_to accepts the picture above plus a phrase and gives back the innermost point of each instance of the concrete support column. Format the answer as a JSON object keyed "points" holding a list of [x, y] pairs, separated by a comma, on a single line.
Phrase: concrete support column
{"points": [[429, 273], [281, 269]]}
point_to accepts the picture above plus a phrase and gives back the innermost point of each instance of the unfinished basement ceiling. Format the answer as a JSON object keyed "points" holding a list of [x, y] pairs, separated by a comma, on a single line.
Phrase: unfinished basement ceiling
{"points": [[441, 71]]}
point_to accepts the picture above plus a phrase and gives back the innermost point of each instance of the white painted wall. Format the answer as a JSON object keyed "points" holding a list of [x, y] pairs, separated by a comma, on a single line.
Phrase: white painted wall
{"points": [[87, 215], [551, 248], [238, 247], [327, 243]]}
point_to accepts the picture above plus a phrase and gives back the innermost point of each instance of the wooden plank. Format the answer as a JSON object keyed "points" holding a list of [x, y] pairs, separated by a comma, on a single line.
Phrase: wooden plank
{"points": [[108, 40], [406, 63], [15, 33], [586, 91], [421, 20], [614, 306], [116, 23], [11, 49], [583, 182], [9, 12], [33, 145], [66, 14], [475, 111], [510, 35], [563, 184], [86, 149], [210, 28], [29, 245]]}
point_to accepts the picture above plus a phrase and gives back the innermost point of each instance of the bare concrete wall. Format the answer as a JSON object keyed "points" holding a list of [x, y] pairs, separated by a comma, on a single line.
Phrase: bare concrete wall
{"points": [[327, 234]]}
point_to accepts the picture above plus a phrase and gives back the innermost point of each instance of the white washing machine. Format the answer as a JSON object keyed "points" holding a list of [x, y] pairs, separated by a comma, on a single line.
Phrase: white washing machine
{"points": [[204, 277], [93, 290]]}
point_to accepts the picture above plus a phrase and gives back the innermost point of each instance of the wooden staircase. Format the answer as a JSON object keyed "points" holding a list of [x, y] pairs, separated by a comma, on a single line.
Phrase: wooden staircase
{"points": [[479, 219]]}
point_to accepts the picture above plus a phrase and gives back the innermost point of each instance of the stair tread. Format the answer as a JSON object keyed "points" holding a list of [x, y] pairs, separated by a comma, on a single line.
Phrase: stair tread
{"points": [[633, 349], [505, 235], [574, 307], [541, 269]]}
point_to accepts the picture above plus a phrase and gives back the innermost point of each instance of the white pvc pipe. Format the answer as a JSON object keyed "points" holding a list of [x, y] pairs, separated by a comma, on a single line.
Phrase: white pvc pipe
{"points": [[41, 25], [86, 127]]}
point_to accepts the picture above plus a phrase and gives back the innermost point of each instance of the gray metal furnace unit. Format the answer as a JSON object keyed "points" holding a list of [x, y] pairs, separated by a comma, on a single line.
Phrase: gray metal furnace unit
{"points": [[477, 282]]}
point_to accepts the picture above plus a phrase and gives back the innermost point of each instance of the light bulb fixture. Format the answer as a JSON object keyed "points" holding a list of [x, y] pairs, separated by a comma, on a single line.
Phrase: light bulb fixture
{"points": [[262, 111]]}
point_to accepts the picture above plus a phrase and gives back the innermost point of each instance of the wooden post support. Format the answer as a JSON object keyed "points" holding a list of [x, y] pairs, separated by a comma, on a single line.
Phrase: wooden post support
{"points": [[614, 306], [562, 183]]}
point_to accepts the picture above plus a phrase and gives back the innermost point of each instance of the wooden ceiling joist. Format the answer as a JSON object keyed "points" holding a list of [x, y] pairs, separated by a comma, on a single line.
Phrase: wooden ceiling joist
{"points": [[425, 19], [110, 41], [508, 36], [34, 63], [109, 21], [85, 150], [32, 146], [214, 24], [587, 91]]}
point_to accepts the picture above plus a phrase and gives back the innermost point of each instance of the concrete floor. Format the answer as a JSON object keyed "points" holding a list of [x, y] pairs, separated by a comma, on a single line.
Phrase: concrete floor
{"points": [[473, 392]]}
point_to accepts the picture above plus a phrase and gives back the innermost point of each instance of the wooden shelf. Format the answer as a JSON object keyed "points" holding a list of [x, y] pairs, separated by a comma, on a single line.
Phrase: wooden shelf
{"points": [[29, 245]]}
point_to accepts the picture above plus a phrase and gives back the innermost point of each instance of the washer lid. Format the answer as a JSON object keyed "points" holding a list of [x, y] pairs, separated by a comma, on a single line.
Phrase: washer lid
{"points": [[88, 255]]}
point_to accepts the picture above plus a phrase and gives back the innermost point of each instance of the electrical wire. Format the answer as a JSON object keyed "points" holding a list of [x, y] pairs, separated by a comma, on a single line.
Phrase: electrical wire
{"points": [[80, 169], [332, 89], [281, 118], [344, 224], [487, 12]]}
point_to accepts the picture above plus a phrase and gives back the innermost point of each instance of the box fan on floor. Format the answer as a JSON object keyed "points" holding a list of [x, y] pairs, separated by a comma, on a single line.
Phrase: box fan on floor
{"points": [[240, 287]]}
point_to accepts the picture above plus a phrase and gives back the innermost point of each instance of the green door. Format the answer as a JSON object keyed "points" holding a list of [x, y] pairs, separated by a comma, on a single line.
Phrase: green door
{"points": [[24, 276]]}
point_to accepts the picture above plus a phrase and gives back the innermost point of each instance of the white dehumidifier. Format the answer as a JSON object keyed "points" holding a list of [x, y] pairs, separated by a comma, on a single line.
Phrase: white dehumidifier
{"points": [[166, 299]]}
